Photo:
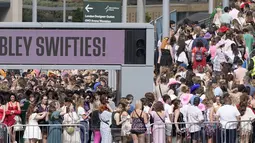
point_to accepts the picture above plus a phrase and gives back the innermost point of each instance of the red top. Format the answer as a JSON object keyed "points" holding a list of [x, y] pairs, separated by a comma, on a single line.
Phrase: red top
{"points": [[201, 63], [1, 113], [9, 117]]}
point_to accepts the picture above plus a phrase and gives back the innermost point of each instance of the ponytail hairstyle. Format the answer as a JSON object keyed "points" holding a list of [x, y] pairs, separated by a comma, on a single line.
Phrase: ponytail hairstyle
{"points": [[164, 42], [243, 104]]}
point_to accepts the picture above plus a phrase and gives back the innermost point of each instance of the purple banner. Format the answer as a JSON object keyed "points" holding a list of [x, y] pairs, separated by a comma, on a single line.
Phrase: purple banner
{"points": [[61, 46]]}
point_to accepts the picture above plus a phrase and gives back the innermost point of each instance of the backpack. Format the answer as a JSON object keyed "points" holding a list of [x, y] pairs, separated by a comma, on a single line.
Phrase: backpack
{"points": [[199, 55], [138, 125]]}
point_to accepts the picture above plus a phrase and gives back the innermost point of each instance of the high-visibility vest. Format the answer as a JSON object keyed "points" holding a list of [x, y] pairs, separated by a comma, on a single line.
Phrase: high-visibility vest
{"points": [[253, 70]]}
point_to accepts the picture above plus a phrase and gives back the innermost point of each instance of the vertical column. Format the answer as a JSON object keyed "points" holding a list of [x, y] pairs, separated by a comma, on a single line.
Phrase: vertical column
{"points": [[34, 10], [210, 5], [112, 79], [14, 13], [124, 11], [225, 3], [64, 10], [165, 14], [140, 12]]}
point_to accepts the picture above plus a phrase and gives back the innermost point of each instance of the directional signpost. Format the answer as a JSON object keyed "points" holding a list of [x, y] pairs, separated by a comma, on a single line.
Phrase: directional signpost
{"points": [[102, 12]]}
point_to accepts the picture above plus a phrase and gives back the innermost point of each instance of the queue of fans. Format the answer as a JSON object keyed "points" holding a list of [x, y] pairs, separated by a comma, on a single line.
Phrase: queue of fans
{"points": [[209, 75], [202, 75]]}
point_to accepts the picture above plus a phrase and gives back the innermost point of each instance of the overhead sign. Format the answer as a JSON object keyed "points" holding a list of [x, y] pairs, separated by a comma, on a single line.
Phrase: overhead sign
{"points": [[102, 12], [61, 46]]}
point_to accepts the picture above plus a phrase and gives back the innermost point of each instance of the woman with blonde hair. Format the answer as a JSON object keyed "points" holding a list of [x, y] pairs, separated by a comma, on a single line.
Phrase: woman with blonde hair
{"points": [[83, 116], [139, 119], [216, 19]]}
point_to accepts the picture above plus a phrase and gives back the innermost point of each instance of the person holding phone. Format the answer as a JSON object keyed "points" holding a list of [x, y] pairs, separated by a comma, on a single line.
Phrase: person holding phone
{"points": [[84, 117]]}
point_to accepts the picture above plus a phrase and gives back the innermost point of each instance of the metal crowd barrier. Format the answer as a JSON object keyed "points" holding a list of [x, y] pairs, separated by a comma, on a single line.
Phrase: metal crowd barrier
{"points": [[3, 133], [239, 131], [206, 132], [54, 133]]}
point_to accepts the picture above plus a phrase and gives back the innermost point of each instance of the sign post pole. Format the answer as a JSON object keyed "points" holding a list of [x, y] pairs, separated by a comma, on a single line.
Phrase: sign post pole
{"points": [[64, 10], [165, 23], [124, 11], [34, 10]]}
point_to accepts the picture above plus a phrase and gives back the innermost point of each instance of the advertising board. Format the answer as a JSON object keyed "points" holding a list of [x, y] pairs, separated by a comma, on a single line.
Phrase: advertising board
{"points": [[50, 46]]}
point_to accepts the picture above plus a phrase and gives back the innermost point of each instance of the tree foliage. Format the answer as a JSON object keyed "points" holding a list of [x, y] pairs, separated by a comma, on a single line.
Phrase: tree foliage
{"points": [[53, 16], [147, 17], [77, 15]]}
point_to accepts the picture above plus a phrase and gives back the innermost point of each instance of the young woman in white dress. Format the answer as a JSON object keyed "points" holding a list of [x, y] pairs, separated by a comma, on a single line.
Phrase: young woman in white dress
{"points": [[32, 131], [71, 117]]}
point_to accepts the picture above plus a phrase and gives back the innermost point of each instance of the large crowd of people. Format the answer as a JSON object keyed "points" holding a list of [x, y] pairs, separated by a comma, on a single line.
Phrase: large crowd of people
{"points": [[204, 84]]}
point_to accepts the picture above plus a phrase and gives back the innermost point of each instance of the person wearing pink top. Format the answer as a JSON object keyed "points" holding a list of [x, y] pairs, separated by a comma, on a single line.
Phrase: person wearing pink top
{"points": [[212, 49]]}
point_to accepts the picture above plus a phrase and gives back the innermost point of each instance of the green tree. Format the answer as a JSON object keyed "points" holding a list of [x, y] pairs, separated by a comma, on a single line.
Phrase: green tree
{"points": [[77, 15], [147, 17]]}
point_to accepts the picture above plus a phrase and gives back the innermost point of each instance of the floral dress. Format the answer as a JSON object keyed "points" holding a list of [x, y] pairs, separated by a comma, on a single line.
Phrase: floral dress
{"points": [[126, 126]]}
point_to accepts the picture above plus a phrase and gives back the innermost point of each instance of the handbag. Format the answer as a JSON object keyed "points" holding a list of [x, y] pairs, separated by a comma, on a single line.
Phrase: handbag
{"points": [[18, 126], [70, 129]]}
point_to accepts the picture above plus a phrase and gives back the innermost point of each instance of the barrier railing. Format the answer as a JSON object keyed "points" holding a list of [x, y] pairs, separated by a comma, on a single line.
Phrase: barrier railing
{"points": [[3, 133], [206, 132], [239, 131], [53, 133]]}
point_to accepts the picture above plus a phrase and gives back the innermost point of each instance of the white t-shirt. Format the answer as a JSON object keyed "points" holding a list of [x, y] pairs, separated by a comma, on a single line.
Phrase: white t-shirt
{"points": [[80, 112], [228, 113], [168, 109], [194, 116], [182, 58]]}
